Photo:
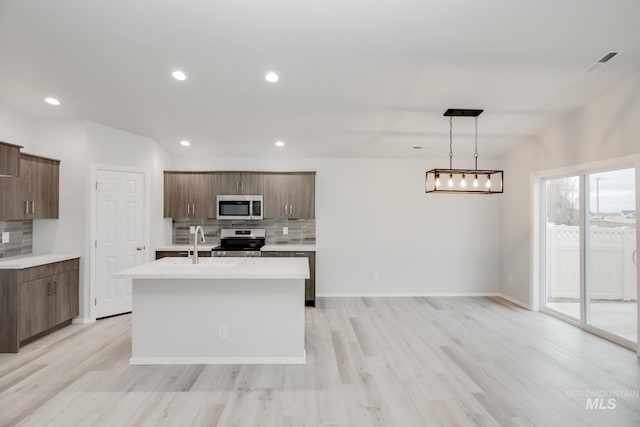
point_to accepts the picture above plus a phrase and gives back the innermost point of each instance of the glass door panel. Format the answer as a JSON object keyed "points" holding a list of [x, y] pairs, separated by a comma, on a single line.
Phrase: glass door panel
{"points": [[562, 246], [611, 279]]}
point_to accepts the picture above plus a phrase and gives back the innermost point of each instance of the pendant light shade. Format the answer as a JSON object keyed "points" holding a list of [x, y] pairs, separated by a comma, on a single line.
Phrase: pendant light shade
{"points": [[455, 180]]}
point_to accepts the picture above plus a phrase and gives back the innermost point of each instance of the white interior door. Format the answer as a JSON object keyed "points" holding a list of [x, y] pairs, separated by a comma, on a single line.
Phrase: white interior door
{"points": [[120, 237]]}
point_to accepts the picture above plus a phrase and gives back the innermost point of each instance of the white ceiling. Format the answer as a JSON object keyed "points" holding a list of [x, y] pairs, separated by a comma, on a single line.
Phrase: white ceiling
{"points": [[358, 78]]}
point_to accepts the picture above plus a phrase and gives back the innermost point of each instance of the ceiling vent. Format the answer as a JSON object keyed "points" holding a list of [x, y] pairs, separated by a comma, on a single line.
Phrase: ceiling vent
{"points": [[600, 62]]}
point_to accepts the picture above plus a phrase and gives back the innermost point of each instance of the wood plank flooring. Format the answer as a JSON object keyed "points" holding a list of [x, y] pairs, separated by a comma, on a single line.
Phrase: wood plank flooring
{"points": [[370, 362]]}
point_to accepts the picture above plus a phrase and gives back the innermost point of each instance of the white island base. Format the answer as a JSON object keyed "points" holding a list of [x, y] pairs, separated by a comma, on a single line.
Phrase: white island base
{"points": [[248, 313]]}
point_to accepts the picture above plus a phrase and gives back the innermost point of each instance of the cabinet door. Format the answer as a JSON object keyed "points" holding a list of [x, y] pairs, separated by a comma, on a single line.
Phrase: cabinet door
{"points": [[176, 195], [310, 284], [252, 183], [9, 159], [275, 196], [34, 300], [8, 201], [44, 178], [202, 195], [229, 182], [22, 200], [301, 195], [240, 183], [64, 304]]}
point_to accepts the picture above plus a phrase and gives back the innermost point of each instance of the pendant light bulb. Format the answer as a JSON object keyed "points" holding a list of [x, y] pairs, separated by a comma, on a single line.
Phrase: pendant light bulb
{"points": [[488, 184], [450, 183], [463, 183], [475, 181], [437, 180]]}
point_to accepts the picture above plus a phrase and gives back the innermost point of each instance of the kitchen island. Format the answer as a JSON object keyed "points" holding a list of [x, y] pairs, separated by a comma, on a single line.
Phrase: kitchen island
{"points": [[220, 311]]}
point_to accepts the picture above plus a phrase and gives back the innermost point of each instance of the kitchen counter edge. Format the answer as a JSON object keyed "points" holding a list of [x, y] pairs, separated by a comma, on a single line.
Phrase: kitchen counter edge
{"points": [[27, 261]]}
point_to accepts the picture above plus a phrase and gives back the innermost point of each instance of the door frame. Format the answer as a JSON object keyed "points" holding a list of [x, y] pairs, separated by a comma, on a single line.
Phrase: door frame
{"points": [[537, 280], [93, 203]]}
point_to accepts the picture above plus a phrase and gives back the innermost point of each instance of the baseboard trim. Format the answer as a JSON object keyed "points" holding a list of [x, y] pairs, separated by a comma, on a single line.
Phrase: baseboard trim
{"points": [[219, 360], [514, 301], [409, 294], [82, 320]]}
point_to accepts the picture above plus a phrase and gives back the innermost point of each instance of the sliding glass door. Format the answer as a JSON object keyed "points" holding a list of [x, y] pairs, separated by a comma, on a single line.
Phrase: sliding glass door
{"points": [[611, 279], [590, 251], [562, 206]]}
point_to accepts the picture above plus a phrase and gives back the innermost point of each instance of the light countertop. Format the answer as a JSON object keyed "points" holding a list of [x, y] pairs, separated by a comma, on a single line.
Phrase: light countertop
{"points": [[220, 268], [27, 261], [285, 247]]}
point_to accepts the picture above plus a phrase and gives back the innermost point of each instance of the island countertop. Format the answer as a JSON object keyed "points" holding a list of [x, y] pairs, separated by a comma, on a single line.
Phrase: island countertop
{"points": [[220, 268]]}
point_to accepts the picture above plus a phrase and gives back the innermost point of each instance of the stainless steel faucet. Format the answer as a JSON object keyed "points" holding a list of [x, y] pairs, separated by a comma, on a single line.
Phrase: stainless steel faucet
{"points": [[195, 243]]}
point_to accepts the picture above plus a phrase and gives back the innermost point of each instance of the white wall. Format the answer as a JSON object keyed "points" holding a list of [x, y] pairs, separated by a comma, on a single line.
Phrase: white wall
{"points": [[372, 215], [606, 128], [16, 128]]}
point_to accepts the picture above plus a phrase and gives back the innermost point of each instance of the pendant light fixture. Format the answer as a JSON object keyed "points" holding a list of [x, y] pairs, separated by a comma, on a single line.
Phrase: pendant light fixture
{"points": [[465, 181]]}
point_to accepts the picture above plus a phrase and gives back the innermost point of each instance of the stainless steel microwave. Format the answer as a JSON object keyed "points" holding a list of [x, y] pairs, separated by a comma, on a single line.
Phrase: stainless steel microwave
{"points": [[239, 207]]}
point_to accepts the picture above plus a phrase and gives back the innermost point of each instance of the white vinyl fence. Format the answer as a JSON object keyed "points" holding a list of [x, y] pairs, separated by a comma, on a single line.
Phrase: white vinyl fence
{"points": [[612, 268]]}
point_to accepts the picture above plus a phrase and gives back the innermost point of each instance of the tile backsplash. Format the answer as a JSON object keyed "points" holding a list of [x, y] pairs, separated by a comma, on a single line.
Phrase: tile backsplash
{"points": [[301, 231], [20, 238]]}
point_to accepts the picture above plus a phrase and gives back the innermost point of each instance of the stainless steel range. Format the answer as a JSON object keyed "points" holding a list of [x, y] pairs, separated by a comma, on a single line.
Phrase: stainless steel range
{"points": [[240, 242]]}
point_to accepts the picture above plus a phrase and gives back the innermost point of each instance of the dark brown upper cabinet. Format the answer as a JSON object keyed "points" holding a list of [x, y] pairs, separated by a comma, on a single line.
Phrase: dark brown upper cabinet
{"points": [[190, 194], [289, 195], [34, 194], [9, 159], [240, 183]]}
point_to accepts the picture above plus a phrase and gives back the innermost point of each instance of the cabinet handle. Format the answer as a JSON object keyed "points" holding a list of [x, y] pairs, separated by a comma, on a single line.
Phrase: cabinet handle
{"points": [[286, 208], [242, 187], [237, 186], [299, 253], [26, 207], [33, 207], [193, 209], [290, 209]]}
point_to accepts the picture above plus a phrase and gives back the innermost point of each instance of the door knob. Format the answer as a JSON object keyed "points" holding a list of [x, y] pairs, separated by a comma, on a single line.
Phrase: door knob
{"points": [[140, 248]]}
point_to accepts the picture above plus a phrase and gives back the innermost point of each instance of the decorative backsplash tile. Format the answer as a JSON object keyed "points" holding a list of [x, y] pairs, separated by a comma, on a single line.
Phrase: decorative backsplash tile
{"points": [[20, 238], [301, 231]]}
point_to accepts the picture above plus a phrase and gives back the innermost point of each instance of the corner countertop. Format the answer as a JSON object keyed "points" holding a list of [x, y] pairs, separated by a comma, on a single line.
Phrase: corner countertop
{"points": [[286, 247], [181, 248], [220, 268], [27, 261]]}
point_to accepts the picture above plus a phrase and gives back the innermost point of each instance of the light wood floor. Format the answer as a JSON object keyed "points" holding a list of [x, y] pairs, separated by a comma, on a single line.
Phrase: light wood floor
{"points": [[370, 362]]}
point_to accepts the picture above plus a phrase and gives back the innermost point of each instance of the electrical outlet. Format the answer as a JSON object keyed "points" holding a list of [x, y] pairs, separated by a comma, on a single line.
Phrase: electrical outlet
{"points": [[192, 229], [5, 237], [376, 275], [223, 332], [285, 230]]}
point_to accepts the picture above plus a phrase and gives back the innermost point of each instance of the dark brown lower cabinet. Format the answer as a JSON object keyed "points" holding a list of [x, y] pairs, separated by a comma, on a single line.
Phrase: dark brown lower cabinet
{"points": [[35, 301], [178, 254], [310, 283]]}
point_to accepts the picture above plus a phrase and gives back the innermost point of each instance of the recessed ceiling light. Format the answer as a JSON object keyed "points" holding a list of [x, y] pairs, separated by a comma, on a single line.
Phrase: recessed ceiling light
{"points": [[179, 75], [52, 101], [185, 143], [271, 77], [279, 144]]}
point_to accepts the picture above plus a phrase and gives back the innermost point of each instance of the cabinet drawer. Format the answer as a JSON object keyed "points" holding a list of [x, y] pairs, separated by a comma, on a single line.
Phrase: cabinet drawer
{"points": [[41, 271]]}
